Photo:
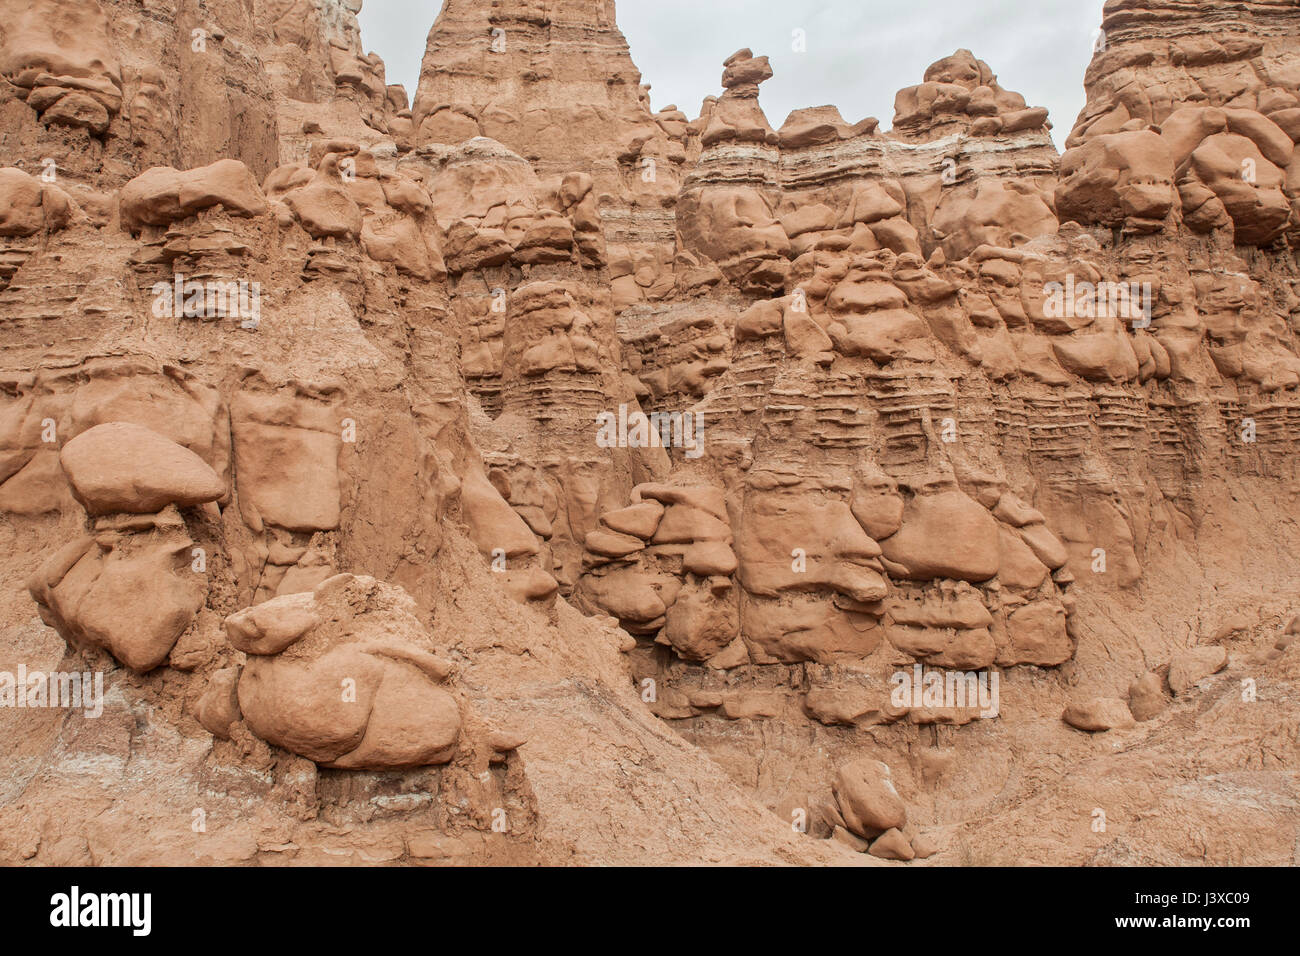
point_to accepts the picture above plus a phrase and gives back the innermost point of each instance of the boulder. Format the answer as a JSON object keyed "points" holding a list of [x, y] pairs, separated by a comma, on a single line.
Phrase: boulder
{"points": [[162, 195], [867, 799], [1146, 696], [946, 535], [120, 467], [892, 845], [1098, 714], [357, 689], [132, 595]]}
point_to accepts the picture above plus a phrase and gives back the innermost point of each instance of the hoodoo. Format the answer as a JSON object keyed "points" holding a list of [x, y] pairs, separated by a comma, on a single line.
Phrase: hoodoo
{"points": [[368, 580]]}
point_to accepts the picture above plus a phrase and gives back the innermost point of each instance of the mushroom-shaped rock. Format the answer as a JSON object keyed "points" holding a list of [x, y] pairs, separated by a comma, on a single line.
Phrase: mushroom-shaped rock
{"points": [[121, 467], [162, 195]]}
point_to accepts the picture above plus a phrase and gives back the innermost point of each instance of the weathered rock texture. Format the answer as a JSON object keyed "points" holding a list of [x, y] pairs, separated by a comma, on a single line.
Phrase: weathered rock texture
{"points": [[519, 475]]}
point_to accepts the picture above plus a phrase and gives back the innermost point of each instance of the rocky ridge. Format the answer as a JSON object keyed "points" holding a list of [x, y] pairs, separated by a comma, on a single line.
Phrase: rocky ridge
{"points": [[516, 474]]}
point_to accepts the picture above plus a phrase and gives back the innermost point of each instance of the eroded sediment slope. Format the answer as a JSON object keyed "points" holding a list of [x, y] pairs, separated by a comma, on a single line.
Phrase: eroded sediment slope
{"points": [[323, 439]]}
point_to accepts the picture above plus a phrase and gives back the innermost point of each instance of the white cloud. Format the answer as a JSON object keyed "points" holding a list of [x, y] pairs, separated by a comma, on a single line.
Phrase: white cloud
{"points": [[860, 52]]}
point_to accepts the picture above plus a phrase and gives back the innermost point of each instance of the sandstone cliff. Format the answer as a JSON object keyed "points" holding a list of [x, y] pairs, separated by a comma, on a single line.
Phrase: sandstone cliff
{"points": [[510, 473]]}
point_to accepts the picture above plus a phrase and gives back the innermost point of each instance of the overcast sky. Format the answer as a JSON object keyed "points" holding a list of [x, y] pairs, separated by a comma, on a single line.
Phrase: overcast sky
{"points": [[859, 52]]}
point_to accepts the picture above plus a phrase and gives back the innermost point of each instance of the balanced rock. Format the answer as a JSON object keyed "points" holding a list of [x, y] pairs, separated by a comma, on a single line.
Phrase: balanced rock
{"points": [[121, 467], [164, 195]]}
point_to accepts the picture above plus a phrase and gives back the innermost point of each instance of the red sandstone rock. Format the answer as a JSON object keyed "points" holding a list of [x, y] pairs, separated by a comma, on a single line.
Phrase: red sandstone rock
{"points": [[883, 438], [867, 798], [123, 467]]}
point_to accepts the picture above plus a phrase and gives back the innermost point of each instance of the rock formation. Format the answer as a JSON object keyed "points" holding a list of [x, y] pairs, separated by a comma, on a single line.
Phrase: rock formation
{"points": [[427, 474]]}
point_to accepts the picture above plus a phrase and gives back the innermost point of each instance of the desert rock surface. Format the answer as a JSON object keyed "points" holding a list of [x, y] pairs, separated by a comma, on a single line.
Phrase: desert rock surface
{"points": [[502, 472]]}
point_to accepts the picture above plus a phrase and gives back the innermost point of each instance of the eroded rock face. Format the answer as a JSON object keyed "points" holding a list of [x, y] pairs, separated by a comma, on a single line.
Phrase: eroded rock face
{"points": [[772, 433], [1120, 178], [109, 90], [286, 449]]}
